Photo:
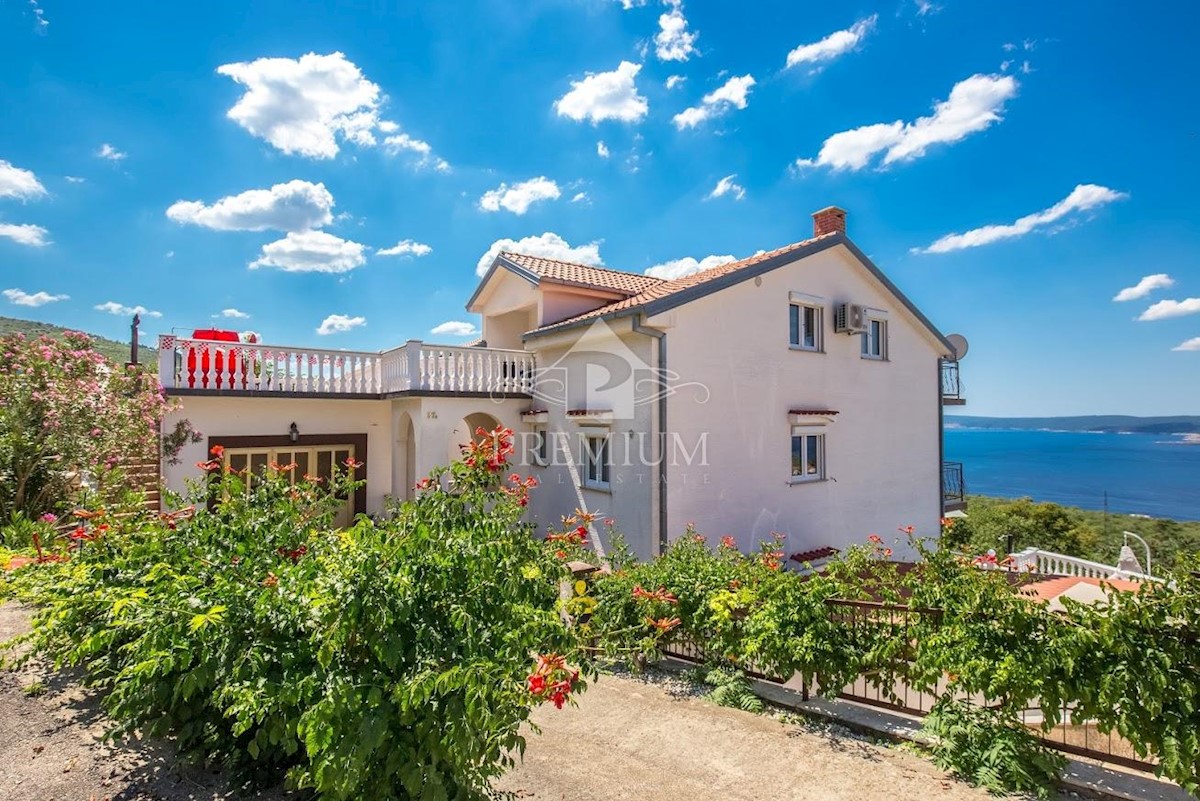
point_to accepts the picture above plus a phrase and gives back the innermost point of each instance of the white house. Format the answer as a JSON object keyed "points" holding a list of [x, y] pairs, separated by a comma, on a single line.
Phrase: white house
{"points": [[797, 391]]}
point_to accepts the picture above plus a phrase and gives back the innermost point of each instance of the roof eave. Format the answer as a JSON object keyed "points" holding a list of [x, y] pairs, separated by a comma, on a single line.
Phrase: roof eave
{"points": [[497, 263]]}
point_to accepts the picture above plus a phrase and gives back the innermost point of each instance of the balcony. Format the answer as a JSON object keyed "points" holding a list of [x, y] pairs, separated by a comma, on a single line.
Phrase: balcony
{"points": [[952, 394], [208, 367], [954, 489]]}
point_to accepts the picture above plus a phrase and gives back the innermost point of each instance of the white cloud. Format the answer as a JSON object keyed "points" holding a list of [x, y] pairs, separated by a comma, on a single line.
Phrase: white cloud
{"points": [[74, 179], [455, 328], [1144, 287], [19, 183], [1082, 198], [234, 314], [40, 23], [339, 324], [674, 80], [1165, 309], [974, 105], [120, 309], [32, 235], [835, 44], [605, 96], [733, 93], [1191, 344], [311, 252], [727, 186], [294, 206], [602, 149], [925, 7], [109, 152], [674, 42], [678, 268], [306, 106], [406, 247], [519, 197], [398, 143], [580, 197], [549, 246], [21, 298], [630, 4]]}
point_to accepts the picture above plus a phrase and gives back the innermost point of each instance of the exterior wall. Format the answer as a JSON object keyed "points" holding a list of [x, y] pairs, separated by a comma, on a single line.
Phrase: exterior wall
{"points": [[506, 293], [230, 416], [629, 501], [882, 450], [393, 465]]}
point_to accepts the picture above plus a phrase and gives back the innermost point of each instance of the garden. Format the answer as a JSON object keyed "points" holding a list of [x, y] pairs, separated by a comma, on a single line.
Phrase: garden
{"points": [[401, 658]]}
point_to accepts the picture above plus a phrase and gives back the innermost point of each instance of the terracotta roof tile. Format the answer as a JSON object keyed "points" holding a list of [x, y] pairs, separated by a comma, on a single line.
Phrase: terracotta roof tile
{"points": [[1050, 588], [814, 554], [582, 274], [661, 289]]}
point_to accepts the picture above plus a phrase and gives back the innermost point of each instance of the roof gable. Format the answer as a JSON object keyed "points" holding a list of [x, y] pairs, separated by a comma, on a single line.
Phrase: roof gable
{"points": [[538, 269], [667, 295]]}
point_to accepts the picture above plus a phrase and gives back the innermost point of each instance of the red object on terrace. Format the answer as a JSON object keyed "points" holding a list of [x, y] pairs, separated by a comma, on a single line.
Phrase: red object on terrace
{"points": [[219, 375], [814, 554]]}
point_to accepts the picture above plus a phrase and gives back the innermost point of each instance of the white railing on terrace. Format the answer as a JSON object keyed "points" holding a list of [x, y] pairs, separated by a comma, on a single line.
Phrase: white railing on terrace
{"points": [[1035, 560], [186, 363]]}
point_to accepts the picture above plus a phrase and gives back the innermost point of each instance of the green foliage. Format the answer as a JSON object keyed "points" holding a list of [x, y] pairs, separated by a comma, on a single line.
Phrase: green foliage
{"points": [[729, 688], [987, 748], [940, 627], [386, 661], [1068, 530]]}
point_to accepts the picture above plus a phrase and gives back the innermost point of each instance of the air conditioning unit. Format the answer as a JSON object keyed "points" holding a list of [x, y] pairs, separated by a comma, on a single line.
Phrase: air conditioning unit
{"points": [[849, 318]]}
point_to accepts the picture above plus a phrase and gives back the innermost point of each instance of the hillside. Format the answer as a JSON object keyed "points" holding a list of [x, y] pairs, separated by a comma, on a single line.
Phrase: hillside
{"points": [[1178, 424], [117, 351]]}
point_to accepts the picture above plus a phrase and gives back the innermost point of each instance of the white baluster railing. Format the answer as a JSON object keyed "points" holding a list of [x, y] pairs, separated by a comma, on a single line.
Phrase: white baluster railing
{"points": [[188, 363], [1035, 560]]}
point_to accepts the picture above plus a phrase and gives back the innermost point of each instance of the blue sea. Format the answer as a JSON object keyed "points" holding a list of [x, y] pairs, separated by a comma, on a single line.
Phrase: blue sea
{"points": [[1149, 474]]}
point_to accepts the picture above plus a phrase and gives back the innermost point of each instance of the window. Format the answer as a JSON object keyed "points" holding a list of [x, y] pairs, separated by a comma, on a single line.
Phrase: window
{"points": [[541, 447], [805, 326], [595, 462], [318, 464], [808, 453], [874, 340]]}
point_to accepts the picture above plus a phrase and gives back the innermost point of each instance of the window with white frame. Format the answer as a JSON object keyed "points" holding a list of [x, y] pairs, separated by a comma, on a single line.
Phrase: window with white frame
{"points": [[808, 453], [596, 469], [804, 327], [875, 338]]}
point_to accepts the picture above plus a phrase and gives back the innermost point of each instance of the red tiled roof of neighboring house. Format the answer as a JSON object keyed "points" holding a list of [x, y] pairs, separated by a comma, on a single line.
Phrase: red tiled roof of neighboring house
{"points": [[813, 554], [1050, 588], [582, 274], [663, 289]]}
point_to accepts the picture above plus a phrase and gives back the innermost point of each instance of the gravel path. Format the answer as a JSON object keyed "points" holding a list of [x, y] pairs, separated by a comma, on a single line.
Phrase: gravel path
{"points": [[634, 739]]}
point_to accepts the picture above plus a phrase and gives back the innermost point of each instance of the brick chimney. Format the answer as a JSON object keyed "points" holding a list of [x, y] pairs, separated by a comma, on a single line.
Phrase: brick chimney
{"points": [[829, 220]]}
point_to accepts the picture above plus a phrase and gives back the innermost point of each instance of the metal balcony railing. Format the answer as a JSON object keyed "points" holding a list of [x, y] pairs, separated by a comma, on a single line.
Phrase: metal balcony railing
{"points": [[954, 489], [952, 391]]}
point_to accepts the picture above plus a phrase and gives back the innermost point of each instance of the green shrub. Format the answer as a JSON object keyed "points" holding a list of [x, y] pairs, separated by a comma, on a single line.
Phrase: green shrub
{"points": [[392, 660]]}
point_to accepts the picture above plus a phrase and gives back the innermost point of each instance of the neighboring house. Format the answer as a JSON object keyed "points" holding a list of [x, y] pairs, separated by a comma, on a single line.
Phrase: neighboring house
{"points": [[796, 391]]}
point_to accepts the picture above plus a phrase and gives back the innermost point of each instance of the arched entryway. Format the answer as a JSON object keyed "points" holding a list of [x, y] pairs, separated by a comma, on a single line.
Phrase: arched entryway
{"points": [[464, 432], [406, 456]]}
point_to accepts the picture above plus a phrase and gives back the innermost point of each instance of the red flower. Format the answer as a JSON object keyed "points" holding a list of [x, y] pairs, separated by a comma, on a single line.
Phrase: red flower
{"points": [[560, 554], [663, 625], [217, 451], [876, 539], [537, 684], [728, 542]]}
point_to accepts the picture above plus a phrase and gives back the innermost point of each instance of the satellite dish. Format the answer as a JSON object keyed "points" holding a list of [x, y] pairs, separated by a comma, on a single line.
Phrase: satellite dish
{"points": [[960, 345]]}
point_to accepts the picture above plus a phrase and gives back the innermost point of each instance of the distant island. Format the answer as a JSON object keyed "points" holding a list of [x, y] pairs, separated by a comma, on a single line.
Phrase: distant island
{"points": [[1108, 423]]}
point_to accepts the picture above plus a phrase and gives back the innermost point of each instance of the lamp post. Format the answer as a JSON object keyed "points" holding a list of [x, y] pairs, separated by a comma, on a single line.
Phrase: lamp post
{"points": [[1129, 534]]}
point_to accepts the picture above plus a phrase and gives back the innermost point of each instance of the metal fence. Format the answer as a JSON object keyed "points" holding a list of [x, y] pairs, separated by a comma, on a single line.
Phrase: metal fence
{"points": [[888, 687]]}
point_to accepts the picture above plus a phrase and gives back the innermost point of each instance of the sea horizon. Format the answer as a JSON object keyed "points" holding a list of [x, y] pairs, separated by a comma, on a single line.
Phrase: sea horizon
{"points": [[1157, 475]]}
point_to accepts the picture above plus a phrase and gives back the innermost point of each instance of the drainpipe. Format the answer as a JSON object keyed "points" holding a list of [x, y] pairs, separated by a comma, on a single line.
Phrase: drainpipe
{"points": [[941, 447], [661, 366]]}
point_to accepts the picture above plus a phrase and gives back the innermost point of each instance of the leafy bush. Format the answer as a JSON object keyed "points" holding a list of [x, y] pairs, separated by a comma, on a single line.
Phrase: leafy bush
{"points": [[392, 660], [988, 748], [68, 415]]}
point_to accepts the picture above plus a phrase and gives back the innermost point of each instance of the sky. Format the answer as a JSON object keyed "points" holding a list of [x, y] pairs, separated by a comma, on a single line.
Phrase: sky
{"points": [[337, 174]]}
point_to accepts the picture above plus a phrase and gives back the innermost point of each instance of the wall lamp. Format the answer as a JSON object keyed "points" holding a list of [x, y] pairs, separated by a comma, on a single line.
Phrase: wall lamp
{"points": [[294, 433]]}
